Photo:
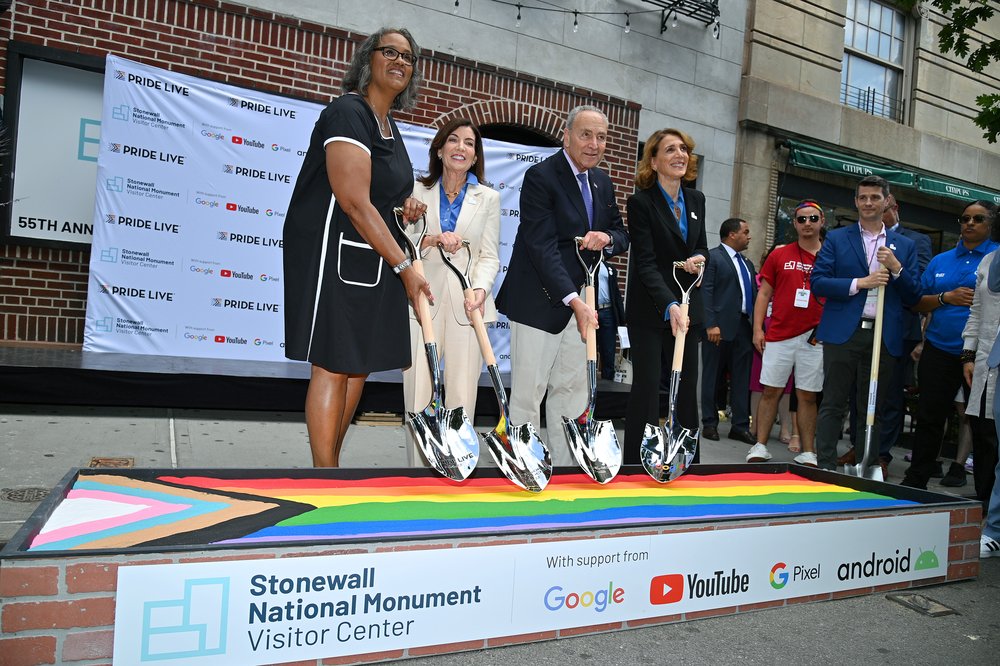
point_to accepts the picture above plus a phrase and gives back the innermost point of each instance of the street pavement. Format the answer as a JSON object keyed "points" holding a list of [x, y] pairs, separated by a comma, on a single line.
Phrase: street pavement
{"points": [[40, 444]]}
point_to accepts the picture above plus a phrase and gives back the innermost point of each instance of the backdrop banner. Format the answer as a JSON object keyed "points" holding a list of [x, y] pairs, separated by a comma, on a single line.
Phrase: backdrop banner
{"points": [[193, 180]]}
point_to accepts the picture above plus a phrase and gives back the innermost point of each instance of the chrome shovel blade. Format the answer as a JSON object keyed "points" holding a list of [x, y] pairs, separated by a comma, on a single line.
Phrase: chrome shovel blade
{"points": [[595, 446], [863, 470], [520, 455], [665, 457], [447, 440]]}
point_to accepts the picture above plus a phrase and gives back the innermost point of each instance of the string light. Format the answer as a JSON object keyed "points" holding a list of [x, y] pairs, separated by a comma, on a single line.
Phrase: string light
{"points": [[703, 12]]}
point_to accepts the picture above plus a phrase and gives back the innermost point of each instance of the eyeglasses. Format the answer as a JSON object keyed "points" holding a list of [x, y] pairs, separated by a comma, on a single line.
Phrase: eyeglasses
{"points": [[802, 219], [978, 219], [392, 53]]}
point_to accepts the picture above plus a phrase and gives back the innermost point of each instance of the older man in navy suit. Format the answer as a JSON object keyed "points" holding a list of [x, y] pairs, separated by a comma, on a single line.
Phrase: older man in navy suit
{"points": [[563, 198], [728, 292], [854, 263]]}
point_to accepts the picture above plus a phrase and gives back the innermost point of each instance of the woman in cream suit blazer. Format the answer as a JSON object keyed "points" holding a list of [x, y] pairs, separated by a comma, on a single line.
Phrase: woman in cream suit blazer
{"points": [[459, 208]]}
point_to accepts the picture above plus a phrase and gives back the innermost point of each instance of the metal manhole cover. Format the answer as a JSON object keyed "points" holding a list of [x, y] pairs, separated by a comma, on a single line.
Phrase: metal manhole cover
{"points": [[121, 463], [23, 494]]}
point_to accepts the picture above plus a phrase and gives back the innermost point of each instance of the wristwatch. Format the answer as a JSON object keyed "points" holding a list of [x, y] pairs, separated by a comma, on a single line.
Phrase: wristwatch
{"points": [[941, 298], [401, 266]]}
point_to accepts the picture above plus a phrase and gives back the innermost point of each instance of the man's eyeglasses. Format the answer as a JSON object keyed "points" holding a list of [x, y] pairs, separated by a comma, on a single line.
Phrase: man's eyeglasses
{"points": [[802, 219], [978, 219], [391, 53]]}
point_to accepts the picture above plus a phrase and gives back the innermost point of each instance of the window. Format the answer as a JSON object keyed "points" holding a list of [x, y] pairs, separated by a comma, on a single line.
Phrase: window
{"points": [[872, 73]]}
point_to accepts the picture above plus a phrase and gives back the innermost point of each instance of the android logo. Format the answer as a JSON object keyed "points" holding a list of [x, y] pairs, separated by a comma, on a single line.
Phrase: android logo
{"points": [[927, 559]]}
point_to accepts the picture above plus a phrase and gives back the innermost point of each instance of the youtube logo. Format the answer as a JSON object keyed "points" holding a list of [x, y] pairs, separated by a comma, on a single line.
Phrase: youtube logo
{"points": [[230, 206], [220, 338], [225, 272], [237, 140], [666, 589]]}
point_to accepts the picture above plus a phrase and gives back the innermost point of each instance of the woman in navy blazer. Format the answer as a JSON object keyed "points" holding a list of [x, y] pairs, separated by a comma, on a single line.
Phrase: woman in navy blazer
{"points": [[666, 223]]}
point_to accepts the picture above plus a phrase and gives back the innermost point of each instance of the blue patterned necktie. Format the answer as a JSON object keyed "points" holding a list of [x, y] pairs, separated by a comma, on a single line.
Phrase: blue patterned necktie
{"points": [[747, 301], [588, 199]]}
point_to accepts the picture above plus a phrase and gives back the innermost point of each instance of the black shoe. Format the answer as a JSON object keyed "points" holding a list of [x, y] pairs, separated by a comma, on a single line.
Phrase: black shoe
{"points": [[711, 432], [742, 436], [910, 482], [955, 478]]}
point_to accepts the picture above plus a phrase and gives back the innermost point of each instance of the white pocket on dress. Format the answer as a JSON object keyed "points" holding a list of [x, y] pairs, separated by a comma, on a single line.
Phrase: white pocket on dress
{"points": [[357, 263]]}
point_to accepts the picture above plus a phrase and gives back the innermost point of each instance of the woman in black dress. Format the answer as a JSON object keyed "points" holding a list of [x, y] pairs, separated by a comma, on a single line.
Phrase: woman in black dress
{"points": [[347, 279], [667, 223]]}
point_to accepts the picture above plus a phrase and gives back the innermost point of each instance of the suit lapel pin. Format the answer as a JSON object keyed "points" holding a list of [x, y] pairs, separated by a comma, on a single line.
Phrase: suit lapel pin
{"points": [[892, 246]]}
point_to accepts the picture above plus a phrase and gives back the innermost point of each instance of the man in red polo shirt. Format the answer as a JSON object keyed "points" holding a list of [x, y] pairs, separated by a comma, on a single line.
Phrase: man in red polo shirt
{"points": [[789, 342]]}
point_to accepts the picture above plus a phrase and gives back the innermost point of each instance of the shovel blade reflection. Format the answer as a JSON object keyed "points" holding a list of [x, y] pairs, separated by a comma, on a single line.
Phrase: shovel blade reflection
{"points": [[666, 457]]}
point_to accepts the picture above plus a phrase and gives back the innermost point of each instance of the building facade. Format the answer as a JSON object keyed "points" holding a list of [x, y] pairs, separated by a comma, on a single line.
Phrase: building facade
{"points": [[835, 89], [508, 76]]}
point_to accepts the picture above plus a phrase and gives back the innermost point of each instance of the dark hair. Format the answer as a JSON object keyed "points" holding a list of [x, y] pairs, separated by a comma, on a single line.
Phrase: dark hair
{"points": [[991, 215], [359, 72], [435, 167], [873, 181], [644, 174], [732, 225]]}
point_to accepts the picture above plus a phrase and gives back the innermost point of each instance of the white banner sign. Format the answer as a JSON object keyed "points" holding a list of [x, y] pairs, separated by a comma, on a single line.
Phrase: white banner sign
{"points": [[194, 178], [276, 610], [58, 137]]}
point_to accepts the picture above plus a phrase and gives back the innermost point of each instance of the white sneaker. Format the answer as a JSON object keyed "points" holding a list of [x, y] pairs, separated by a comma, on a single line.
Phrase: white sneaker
{"points": [[806, 458], [758, 453], [988, 547]]}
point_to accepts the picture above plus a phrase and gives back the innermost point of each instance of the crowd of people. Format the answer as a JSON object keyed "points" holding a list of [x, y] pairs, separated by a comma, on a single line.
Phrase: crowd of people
{"points": [[801, 330]]}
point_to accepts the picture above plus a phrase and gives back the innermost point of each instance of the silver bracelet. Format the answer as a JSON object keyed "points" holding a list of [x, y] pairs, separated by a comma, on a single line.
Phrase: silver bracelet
{"points": [[401, 266]]}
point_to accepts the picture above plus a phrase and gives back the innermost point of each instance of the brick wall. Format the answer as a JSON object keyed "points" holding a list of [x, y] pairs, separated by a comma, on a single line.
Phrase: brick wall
{"points": [[43, 291], [61, 610]]}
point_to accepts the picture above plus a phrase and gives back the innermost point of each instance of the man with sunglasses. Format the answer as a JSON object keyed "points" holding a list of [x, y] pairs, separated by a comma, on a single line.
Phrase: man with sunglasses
{"points": [[788, 342], [855, 262], [948, 286]]}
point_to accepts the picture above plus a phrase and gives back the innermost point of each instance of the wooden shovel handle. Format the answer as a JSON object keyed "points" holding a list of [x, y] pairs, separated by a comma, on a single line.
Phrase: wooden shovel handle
{"points": [[479, 327], [591, 300], [424, 308], [678, 360]]}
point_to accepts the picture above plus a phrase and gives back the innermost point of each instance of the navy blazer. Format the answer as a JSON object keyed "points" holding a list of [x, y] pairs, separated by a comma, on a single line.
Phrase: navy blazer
{"points": [[543, 266], [657, 244], [911, 320], [841, 259], [721, 294]]}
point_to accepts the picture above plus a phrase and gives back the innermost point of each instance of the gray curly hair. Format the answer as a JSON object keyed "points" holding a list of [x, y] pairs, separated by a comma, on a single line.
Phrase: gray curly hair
{"points": [[359, 72]]}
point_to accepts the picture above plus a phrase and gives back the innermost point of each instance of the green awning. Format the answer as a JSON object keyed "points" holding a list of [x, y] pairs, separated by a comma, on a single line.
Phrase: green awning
{"points": [[947, 188], [821, 159]]}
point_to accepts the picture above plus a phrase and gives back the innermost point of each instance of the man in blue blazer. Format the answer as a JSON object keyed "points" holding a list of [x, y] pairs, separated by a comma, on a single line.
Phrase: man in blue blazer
{"points": [[728, 292], [564, 197], [854, 262]]}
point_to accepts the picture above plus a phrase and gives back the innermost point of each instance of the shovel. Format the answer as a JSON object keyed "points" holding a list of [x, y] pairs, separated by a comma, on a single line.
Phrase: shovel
{"points": [[863, 469], [445, 436], [667, 451], [594, 443], [518, 451]]}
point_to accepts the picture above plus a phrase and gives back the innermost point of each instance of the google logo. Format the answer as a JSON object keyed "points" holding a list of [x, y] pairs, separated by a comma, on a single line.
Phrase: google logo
{"points": [[206, 202], [269, 212], [779, 577], [555, 599]]}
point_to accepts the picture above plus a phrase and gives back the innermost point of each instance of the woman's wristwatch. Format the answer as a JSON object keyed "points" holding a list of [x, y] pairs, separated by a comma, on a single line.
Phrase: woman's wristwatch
{"points": [[401, 266]]}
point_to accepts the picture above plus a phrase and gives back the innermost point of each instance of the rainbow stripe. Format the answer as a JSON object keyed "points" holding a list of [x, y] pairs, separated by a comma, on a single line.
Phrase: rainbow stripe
{"points": [[402, 506]]}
